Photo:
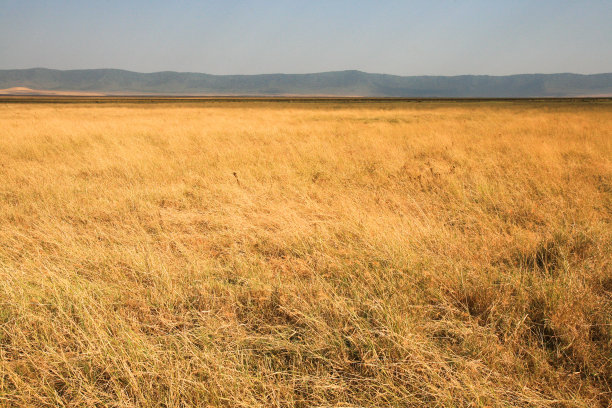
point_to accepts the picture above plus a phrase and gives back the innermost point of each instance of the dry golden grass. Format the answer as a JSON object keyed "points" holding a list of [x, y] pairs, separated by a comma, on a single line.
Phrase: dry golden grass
{"points": [[285, 254]]}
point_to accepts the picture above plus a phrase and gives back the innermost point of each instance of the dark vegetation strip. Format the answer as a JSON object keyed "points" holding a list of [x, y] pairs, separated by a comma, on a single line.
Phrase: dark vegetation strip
{"points": [[306, 99]]}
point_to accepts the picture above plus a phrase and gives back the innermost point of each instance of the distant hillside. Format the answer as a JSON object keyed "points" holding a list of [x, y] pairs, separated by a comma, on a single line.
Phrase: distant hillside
{"points": [[355, 83]]}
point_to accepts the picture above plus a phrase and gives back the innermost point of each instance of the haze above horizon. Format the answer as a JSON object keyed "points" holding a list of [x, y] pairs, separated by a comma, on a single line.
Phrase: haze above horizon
{"points": [[249, 37]]}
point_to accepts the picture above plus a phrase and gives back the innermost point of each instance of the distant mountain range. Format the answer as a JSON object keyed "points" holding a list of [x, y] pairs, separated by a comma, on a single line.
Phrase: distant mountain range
{"points": [[339, 83]]}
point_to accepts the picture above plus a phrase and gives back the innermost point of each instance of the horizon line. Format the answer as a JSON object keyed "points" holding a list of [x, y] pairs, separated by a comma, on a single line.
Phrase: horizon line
{"points": [[306, 73]]}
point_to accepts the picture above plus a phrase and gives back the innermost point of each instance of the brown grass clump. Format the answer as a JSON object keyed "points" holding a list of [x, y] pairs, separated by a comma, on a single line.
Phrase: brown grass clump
{"points": [[285, 254]]}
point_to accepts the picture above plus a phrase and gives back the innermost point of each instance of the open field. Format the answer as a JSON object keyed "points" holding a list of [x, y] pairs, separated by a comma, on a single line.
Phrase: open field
{"points": [[306, 254], [21, 91]]}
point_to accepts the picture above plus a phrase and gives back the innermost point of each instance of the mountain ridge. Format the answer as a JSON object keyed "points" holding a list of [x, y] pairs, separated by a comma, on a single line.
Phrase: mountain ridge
{"points": [[334, 83]]}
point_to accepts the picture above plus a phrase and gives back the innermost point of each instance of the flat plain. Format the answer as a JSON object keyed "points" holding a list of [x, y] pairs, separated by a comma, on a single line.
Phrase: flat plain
{"points": [[306, 254]]}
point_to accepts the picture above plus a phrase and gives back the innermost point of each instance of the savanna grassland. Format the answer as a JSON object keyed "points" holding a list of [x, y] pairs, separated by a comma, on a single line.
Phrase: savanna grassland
{"points": [[433, 254]]}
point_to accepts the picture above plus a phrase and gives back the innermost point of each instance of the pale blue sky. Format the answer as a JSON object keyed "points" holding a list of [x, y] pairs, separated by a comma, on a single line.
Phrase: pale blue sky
{"points": [[453, 37]]}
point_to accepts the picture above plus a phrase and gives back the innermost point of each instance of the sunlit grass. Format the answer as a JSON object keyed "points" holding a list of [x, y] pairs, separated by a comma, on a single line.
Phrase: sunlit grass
{"points": [[250, 254]]}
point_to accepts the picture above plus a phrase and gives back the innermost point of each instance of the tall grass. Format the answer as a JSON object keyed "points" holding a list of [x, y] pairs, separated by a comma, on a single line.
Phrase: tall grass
{"points": [[432, 254]]}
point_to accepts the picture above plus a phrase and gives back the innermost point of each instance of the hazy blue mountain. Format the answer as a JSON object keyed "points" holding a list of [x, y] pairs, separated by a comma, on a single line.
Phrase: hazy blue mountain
{"points": [[114, 81]]}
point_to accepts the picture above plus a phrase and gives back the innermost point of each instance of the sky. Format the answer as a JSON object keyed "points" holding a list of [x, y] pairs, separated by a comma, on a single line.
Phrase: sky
{"points": [[434, 37]]}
